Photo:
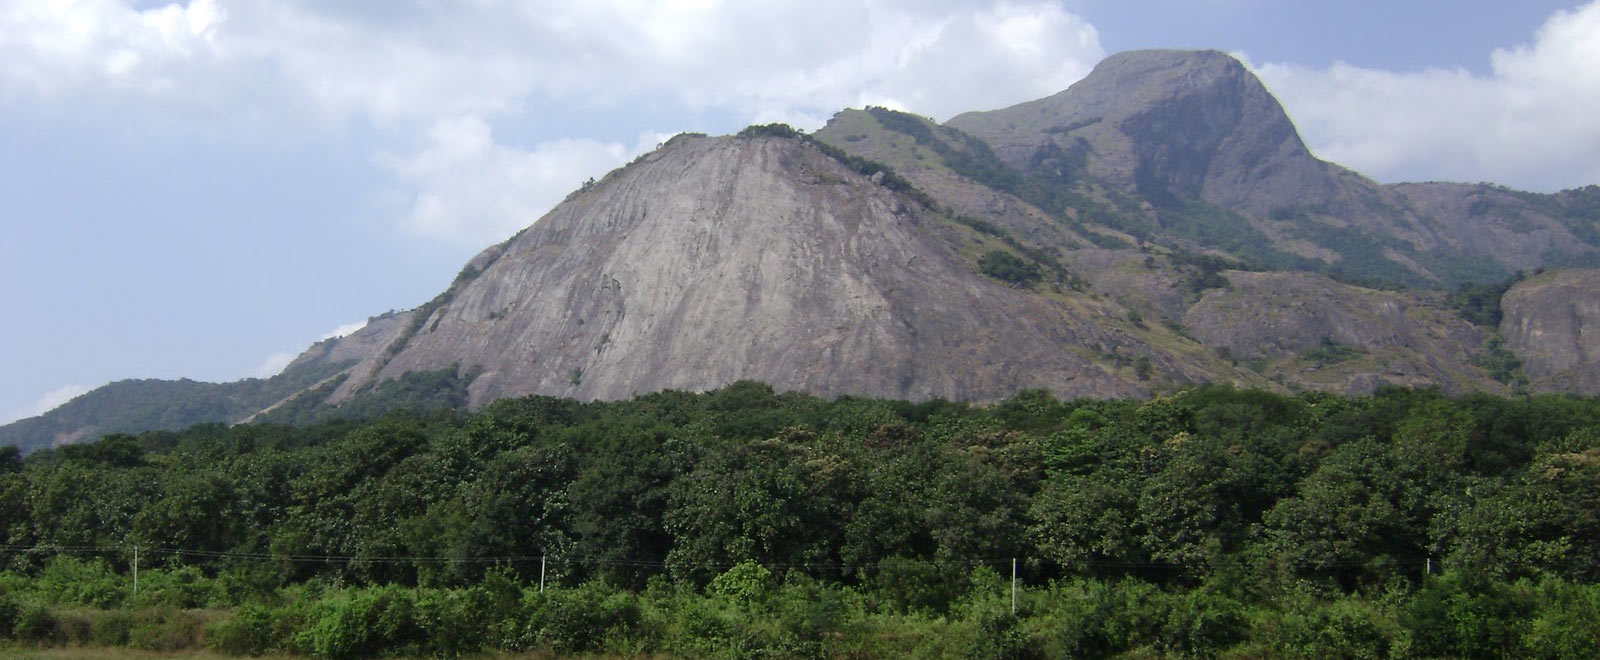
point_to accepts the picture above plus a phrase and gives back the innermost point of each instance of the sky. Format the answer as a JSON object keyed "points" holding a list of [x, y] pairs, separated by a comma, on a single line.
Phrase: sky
{"points": [[203, 189]]}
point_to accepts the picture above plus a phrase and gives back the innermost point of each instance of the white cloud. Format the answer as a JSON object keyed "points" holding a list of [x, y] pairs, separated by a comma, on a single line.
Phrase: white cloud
{"points": [[474, 191], [431, 61], [273, 365], [424, 67], [56, 46], [453, 70], [343, 330], [1529, 124], [46, 403]]}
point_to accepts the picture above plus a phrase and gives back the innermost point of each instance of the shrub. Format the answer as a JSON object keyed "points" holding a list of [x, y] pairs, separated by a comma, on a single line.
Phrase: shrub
{"points": [[911, 586], [1309, 627], [1463, 614], [745, 584], [165, 630], [179, 588], [70, 581], [1009, 268], [777, 130], [250, 631], [582, 619], [359, 624], [9, 611], [1201, 623], [34, 623], [111, 629], [1567, 623], [453, 621]]}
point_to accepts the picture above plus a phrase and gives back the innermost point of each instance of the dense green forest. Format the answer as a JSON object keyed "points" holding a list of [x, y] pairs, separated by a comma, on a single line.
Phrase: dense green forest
{"points": [[1213, 522]]}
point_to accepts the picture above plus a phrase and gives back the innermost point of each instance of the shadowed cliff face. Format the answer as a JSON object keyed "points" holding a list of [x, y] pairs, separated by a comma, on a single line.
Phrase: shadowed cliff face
{"points": [[719, 259]]}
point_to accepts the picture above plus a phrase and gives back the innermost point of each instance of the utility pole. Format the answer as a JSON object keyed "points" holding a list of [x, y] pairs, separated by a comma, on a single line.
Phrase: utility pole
{"points": [[1013, 586], [541, 573]]}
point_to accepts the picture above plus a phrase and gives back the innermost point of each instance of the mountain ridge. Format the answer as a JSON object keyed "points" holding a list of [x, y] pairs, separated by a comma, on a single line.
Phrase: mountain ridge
{"points": [[1156, 225]]}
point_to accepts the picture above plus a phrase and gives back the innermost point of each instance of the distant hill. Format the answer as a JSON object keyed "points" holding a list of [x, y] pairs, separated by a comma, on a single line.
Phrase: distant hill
{"points": [[1158, 225], [128, 406]]}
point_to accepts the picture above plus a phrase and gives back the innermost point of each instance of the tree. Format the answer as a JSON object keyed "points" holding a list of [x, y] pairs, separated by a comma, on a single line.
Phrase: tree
{"points": [[1009, 268], [1348, 521], [771, 501]]}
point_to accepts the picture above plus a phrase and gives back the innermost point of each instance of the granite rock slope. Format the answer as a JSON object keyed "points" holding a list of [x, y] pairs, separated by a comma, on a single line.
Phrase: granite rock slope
{"points": [[713, 260]]}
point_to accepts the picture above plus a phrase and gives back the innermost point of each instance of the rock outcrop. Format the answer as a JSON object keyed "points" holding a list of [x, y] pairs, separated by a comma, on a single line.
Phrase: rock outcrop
{"points": [[1551, 322]]}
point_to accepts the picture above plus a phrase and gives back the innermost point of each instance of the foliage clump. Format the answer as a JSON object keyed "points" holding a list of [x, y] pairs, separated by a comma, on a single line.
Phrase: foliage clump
{"points": [[1327, 351], [777, 130], [1008, 268]]}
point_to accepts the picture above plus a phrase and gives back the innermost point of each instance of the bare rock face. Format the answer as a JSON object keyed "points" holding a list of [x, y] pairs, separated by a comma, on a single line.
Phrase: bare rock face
{"points": [[1389, 337], [1502, 224], [713, 260], [357, 346], [1551, 323]]}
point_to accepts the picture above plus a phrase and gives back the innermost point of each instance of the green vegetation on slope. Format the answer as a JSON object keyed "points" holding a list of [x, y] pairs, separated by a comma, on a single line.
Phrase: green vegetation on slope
{"points": [[744, 522], [164, 405], [415, 391]]}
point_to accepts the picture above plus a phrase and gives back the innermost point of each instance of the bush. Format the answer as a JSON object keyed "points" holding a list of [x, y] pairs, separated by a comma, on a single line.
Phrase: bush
{"points": [[1567, 623], [9, 611], [1346, 628], [1202, 623], [244, 582], [1463, 614], [178, 588], [111, 629], [165, 630], [745, 584], [777, 130], [71, 628], [1329, 352], [1080, 621], [911, 586], [453, 621], [359, 624], [34, 623], [1008, 268], [250, 631], [583, 619], [69, 581], [996, 633]]}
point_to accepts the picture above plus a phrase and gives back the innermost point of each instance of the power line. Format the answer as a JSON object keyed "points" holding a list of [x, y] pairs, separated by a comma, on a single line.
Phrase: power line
{"points": [[665, 564]]}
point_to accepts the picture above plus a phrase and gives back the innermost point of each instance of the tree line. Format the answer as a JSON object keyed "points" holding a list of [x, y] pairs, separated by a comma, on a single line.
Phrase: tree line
{"points": [[1212, 521]]}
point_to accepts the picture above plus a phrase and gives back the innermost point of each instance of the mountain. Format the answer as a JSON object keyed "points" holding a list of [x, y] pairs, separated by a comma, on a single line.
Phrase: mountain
{"points": [[129, 406], [1158, 224], [1195, 136], [713, 260]]}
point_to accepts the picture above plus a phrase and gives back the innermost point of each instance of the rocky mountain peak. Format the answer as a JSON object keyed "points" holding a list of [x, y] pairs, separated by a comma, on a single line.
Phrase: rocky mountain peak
{"points": [[1167, 125]]}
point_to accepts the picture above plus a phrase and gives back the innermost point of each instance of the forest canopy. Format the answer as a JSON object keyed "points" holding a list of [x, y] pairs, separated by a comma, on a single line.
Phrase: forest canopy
{"points": [[1204, 521]]}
